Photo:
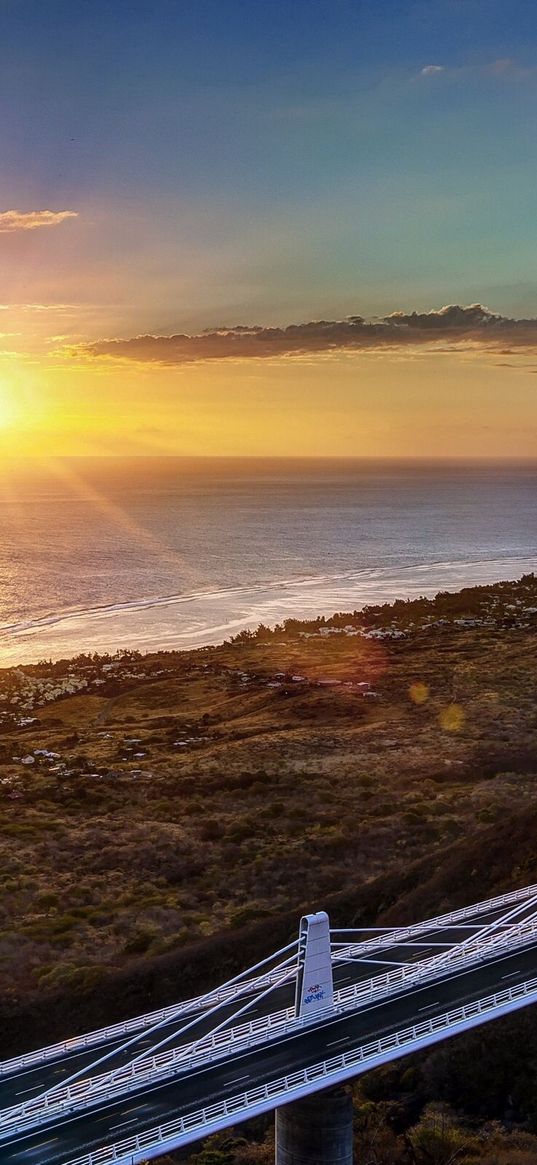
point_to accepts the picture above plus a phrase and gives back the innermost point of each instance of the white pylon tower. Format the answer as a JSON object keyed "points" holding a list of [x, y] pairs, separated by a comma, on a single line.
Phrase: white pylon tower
{"points": [[314, 984]]}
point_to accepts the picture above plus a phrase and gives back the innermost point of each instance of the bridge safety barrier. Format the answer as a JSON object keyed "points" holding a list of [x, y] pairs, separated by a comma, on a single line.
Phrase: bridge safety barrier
{"points": [[183, 1130], [208, 1048], [191, 1006]]}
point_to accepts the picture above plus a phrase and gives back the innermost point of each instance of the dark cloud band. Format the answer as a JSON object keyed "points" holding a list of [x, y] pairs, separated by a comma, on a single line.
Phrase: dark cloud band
{"points": [[453, 325]]}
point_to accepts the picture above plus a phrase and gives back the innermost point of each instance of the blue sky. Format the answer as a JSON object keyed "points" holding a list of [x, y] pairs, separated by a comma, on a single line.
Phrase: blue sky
{"points": [[175, 166], [261, 162]]}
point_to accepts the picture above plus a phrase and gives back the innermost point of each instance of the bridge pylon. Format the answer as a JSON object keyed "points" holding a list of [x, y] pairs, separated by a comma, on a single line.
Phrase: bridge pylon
{"points": [[316, 1130], [314, 981]]}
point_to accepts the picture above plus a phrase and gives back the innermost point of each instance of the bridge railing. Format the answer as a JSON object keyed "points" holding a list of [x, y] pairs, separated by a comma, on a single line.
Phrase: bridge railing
{"points": [[431, 969], [221, 994], [262, 1098], [227, 992], [212, 1046], [398, 936], [123, 1028]]}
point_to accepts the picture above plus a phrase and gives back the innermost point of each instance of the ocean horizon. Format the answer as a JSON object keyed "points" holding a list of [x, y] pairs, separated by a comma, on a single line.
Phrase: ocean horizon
{"points": [[104, 554]]}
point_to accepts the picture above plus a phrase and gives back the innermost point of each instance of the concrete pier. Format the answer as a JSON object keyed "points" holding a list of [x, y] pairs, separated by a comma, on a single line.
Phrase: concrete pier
{"points": [[316, 1130]]}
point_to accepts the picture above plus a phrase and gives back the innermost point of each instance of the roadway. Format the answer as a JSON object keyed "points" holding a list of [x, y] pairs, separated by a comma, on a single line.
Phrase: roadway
{"points": [[67, 1139], [21, 1086]]}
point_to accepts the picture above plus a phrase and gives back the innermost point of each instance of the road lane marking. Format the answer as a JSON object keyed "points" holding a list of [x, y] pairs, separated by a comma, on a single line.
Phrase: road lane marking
{"points": [[429, 1006], [344, 1040], [238, 1079], [462, 974], [123, 1125], [511, 976]]}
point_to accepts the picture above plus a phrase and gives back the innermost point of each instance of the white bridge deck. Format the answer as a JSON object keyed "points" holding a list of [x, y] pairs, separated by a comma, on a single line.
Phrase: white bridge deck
{"points": [[329, 1006]]}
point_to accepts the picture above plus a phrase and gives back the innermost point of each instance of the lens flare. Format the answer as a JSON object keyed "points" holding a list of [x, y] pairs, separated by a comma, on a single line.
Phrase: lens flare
{"points": [[418, 692], [452, 718]]}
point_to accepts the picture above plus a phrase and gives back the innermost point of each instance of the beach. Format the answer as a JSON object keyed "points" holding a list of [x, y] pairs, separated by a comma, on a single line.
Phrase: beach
{"points": [[100, 555]]}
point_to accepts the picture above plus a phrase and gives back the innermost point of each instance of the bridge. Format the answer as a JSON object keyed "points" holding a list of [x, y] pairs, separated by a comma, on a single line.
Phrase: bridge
{"points": [[311, 1016]]}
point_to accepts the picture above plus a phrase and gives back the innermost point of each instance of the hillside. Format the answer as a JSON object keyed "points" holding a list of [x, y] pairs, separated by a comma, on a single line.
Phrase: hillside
{"points": [[156, 811]]}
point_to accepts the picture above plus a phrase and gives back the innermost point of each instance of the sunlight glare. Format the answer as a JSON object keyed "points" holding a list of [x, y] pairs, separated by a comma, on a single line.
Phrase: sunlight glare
{"points": [[7, 408]]}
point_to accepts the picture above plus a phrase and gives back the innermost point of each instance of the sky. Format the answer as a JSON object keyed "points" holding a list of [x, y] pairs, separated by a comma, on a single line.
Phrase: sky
{"points": [[218, 176]]}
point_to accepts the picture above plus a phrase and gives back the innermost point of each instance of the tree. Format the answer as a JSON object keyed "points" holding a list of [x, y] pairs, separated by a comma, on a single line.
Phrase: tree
{"points": [[438, 1138]]}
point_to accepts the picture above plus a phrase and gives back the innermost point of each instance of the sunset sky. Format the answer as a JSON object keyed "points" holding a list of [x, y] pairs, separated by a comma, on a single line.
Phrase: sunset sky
{"points": [[199, 169]]}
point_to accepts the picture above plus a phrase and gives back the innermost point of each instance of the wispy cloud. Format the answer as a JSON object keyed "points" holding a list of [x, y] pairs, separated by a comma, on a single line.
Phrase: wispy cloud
{"points": [[451, 327], [504, 67], [67, 308], [32, 220]]}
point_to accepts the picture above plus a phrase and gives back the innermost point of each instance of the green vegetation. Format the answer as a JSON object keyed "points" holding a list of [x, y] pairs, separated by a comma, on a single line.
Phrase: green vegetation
{"points": [[383, 1136], [499, 604], [157, 811], [150, 803]]}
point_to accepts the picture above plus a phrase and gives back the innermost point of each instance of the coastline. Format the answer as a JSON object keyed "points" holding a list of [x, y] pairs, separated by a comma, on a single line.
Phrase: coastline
{"points": [[206, 618]]}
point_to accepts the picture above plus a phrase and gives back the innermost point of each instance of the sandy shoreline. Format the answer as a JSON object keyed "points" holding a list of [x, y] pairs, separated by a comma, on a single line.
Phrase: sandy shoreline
{"points": [[208, 617]]}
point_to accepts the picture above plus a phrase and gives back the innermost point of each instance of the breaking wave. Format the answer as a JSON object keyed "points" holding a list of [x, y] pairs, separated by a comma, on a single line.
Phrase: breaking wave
{"points": [[208, 616]]}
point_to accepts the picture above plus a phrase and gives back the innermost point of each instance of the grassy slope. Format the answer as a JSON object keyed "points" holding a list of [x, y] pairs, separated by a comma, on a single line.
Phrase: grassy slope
{"points": [[253, 802]]}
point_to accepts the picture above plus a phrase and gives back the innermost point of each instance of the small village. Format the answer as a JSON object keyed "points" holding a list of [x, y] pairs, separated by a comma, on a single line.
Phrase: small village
{"points": [[247, 664], [509, 606]]}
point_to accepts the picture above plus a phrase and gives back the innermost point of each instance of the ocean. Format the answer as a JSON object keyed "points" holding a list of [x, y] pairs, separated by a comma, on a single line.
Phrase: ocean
{"points": [[105, 554]]}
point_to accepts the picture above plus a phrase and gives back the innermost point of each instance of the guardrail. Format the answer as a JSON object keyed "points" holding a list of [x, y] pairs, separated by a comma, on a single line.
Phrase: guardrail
{"points": [[123, 1028], [431, 969], [198, 1003], [223, 994], [131, 1077], [183, 1130], [398, 936]]}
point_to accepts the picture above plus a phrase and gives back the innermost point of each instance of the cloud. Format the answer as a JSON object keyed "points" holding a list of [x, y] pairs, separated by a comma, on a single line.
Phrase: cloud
{"points": [[18, 220], [506, 68], [451, 327]]}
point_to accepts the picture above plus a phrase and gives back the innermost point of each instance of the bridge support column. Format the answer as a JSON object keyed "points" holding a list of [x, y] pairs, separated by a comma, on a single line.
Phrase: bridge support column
{"points": [[316, 1130]]}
